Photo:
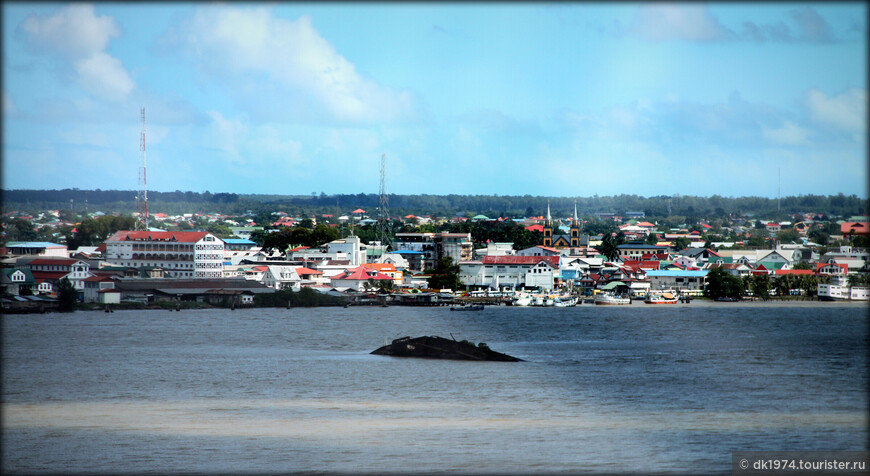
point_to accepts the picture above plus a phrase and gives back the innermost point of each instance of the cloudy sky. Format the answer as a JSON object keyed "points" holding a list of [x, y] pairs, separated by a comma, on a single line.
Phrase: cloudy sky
{"points": [[511, 99]]}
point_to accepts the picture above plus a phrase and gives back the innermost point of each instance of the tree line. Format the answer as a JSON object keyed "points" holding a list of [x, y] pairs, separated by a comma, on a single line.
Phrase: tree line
{"points": [[513, 206]]}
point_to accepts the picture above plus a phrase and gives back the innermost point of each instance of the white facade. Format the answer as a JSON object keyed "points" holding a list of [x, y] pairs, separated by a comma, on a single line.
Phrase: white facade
{"points": [[282, 277], [349, 247], [181, 254]]}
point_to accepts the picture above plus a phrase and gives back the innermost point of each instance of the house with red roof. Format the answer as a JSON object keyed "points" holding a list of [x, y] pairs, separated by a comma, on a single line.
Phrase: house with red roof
{"points": [[853, 228], [358, 278]]}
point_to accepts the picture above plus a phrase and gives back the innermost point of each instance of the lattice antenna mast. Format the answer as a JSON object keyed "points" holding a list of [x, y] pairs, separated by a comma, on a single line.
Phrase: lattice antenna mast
{"points": [[384, 225], [142, 197]]}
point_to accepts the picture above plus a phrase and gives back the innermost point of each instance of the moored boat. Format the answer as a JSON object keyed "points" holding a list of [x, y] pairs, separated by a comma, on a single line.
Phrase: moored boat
{"points": [[608, 299], [663, 298]]}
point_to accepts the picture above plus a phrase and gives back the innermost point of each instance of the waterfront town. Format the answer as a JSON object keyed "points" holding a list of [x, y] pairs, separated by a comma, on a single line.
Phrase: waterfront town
{"points": [[639, 260]]}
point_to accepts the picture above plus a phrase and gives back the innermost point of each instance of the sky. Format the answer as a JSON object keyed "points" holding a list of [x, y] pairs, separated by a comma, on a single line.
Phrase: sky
{"points": [[558, 99]]}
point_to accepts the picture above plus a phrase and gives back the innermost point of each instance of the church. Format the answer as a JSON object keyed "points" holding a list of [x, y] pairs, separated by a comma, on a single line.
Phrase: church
{"points": [[572, 240]]}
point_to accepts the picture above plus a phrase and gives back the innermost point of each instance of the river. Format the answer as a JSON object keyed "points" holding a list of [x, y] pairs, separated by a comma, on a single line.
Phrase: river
{"points": [[604, 389]]}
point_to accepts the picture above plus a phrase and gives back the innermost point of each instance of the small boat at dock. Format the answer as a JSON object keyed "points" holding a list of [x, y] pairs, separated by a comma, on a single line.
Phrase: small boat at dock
{"points": [[663, 298]]}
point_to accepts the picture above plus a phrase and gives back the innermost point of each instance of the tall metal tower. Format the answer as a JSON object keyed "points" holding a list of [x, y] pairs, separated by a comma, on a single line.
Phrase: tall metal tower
{"points": [[142, 197], [384, 225]]}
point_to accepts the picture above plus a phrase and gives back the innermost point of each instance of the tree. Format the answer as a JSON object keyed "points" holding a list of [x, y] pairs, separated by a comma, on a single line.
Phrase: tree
{"points": [[445, 275], [608, 248], [681, 243], [721, 283], [760, 285], [67, 296], [788, 235]]}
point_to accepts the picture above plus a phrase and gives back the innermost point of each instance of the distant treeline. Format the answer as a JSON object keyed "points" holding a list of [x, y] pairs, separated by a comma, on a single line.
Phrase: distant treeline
{"points": [[513, 206]]}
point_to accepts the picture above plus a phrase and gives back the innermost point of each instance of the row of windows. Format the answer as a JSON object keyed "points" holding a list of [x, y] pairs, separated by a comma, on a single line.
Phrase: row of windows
{"points": [[209, 265], [217, 256], [209, 247]]}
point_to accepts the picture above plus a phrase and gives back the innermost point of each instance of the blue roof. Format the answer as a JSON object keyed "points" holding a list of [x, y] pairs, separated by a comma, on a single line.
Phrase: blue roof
{"points": [[32, 244], [407, 252], [239, 241], [678, 273]]}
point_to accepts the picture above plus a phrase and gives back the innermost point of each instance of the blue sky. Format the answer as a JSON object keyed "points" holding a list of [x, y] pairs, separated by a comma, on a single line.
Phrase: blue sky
{"points": [[571, 99]]}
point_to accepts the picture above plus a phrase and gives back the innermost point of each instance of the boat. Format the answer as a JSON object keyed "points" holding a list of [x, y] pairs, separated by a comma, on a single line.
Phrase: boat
{"points": [[565, 302], [468, 307], [611, 299], [663, 298], [522, 301]]}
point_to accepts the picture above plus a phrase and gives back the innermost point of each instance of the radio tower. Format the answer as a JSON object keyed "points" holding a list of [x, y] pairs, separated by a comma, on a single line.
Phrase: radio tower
{"points": [[142, 197], [384, 226]]}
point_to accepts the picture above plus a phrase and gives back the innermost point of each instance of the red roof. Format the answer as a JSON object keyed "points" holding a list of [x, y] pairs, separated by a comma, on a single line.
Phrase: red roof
{"points": [[358, 210], [56, 261], [521, 260], [53, 275], [98, 279], [306, 271], [178, 236], [857, 226], [843, 266], [781, 272], [360, 274], [535, 228]]}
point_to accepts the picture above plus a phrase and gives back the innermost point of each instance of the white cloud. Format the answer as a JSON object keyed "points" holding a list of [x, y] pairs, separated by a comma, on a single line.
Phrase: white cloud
{"points": [[847, 111], [789, 134], [252, 44], [228, 135], [79, 38], [74, 32], [104, 76], [661, 22]]}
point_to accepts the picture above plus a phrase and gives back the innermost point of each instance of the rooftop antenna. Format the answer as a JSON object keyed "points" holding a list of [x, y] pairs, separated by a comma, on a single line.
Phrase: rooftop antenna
{"points": [[384, 227], [142, 197]]}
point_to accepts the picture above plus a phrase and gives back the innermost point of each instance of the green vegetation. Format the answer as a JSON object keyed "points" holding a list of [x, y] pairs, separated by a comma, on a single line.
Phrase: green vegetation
{"points": [[721, 284], [689, 208], [67, 296], [445, 275], [306, 297]]}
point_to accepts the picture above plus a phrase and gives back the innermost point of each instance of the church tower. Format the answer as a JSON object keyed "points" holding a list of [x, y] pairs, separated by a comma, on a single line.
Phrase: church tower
{"points": [[575, 229], [548, 228]]}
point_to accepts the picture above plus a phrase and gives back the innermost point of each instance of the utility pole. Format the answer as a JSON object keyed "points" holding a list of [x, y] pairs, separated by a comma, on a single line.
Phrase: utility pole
{"points": [[142, 197]]}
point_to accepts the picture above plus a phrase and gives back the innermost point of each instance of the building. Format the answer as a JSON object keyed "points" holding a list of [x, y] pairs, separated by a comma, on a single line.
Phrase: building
{"points": [[38, 248], [238, 244], [351, 248], [685, 282], [96, 290], [572, 240], [637, 251], [14, 280], [511, 272], [388, 269], [358, 279], [182, 254], [434, 246], [55, 269]]}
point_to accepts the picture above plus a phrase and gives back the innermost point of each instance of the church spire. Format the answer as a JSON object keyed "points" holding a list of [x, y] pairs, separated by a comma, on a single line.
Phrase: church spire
{"points": [[548, 210], [575, 229]]}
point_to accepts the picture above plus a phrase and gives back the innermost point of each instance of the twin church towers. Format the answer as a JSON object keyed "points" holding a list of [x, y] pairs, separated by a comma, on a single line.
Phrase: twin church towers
{"points": [[562, 241]]}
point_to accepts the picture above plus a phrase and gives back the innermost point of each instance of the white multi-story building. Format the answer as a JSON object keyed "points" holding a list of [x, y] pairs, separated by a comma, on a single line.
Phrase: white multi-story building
{"points": [[183, 254], [350, 247], [511, 272]]}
